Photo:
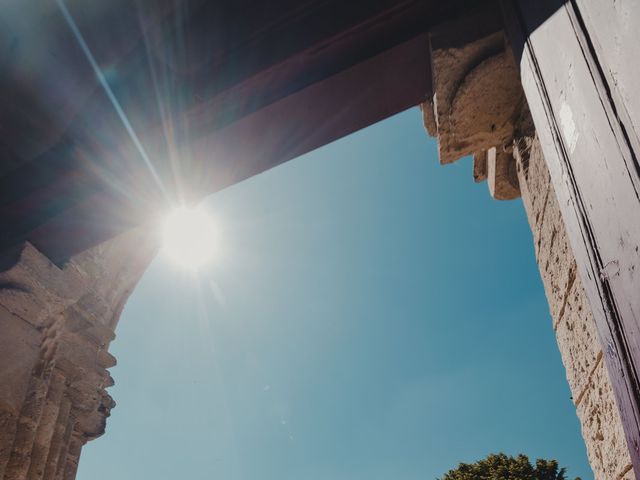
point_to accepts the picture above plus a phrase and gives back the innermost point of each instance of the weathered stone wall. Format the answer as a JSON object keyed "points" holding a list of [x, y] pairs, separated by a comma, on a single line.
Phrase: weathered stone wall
{"points": [[573, 322], [56, 325], [478, 108]]}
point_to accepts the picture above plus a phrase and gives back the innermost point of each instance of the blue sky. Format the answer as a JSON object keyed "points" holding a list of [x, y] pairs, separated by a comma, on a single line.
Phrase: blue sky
{"points": [[369, 315]]}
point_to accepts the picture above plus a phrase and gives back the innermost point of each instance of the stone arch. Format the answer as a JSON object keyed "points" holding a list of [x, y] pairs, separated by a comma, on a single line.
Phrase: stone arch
{"points": [[57, 325]]}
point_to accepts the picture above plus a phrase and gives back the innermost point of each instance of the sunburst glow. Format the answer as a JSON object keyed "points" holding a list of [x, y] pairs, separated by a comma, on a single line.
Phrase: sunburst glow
{"points": [[189, 237]]}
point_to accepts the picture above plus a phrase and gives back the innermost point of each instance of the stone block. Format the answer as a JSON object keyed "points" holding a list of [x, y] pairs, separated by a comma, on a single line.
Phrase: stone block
{"points": [[113, 268], [8, 429], [553, 253], [479, 166], [627, 473], [602, 428], [502, 176], [578, 340], [477, 93], [533, 177], [20, 347], [555, 259], [34, 288], [575, 327]]}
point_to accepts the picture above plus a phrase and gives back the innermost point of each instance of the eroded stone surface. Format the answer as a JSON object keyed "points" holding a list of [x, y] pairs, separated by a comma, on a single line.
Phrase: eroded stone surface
{"points": [[480, 166], [502, 177], [57, 324], [602, 428], [551, 245], [450, 65], [476, 103], [578, 341], [482, 112], [572, 319]]}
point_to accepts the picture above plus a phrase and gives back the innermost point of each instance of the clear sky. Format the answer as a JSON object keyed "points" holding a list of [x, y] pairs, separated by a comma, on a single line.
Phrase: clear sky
{"points": [[369, 315]]}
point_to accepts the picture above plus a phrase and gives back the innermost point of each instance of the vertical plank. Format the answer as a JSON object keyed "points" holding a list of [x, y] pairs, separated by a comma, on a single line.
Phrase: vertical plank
{"points": [[612, 27], [590, 157]]}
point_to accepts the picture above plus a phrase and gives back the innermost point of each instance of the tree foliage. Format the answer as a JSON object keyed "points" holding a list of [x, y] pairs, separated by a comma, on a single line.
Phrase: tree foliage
{"points": [[502, 467]]}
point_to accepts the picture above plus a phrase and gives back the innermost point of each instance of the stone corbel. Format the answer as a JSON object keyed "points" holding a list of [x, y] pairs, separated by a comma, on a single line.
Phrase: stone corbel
{"points": [[477, 100]]}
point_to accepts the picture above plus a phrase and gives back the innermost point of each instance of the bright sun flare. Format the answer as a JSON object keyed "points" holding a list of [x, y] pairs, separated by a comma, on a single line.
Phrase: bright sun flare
{"points": [[189, 237]]}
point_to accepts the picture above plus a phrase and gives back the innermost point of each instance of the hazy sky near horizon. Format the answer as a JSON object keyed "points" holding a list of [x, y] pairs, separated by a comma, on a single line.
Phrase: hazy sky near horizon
{"points": [[369, 315]]}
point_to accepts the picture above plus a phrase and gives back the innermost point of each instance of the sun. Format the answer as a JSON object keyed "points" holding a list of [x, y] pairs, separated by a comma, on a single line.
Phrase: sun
{"points": [[189, 237]]}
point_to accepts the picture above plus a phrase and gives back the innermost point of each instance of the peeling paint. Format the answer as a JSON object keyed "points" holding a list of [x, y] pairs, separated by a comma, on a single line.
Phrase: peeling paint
{"points": [[568, 127]]}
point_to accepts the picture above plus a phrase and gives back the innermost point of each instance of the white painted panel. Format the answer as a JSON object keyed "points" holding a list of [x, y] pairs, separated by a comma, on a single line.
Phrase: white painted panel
{"points": [[614, 29]]}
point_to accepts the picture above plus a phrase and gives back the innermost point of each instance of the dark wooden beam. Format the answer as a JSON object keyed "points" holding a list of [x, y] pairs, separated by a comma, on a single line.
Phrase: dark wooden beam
{"points": [[214, 91], [301, 122]]}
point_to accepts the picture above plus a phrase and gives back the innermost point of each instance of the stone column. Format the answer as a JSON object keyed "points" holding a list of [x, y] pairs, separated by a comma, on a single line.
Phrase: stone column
{"points": [[479, 110], [56, 325]]}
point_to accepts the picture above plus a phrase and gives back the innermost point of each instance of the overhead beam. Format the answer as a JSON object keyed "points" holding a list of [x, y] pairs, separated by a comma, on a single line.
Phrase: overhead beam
{"points": [[249, 90], [299, 123]]}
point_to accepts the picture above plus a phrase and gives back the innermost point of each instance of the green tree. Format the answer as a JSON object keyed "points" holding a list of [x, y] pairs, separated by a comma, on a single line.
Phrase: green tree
{"points": [[502, 467]]}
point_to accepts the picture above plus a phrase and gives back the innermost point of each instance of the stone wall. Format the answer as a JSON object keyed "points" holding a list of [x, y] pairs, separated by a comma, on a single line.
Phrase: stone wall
{"points": [[478, 108], [573, 322], [57, 324]]}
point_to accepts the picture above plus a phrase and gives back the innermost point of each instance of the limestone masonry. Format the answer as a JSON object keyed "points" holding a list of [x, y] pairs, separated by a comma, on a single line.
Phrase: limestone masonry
{"points": [[57, 324], [572, 319], [478, 109]]}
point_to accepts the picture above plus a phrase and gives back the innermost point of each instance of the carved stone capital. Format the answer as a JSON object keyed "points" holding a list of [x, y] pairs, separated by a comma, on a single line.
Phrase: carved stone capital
{"points": [[476, 102]]}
